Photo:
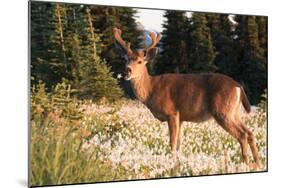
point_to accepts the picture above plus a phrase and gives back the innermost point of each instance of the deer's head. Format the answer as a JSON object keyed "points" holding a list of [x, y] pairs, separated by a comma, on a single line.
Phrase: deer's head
{"points": [[137, 60]]}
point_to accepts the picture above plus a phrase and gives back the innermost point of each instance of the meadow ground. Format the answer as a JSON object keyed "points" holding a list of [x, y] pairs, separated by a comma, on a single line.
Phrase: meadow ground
{"points": [[123, 141]]}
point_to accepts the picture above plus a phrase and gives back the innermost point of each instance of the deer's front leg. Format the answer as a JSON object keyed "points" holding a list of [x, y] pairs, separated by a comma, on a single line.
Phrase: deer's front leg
{"points": [[179, 139], [173, 123]]}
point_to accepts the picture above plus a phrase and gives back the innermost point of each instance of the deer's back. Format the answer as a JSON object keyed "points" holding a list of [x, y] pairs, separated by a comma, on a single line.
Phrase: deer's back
{"points": [[194, 96]]}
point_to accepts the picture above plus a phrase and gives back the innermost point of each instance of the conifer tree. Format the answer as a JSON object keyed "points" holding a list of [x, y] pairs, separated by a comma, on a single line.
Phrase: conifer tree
{"points": [[252, 62], [262, 29], [75, 42], [105, 19], [70, 50], [202, 52], [39, 35], [222, 36], [96, 79], [56, 49], [48, 50], [173, 57]]}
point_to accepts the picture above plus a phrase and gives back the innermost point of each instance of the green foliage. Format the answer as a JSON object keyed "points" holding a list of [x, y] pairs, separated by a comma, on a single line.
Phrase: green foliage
{"points": [[60, 101], [48, 48], [93, 77], [97, 82], [223, 41], [202, 52], [72, 41], [173, 58], [57, 135], [262, 30], [40, 34], [72, 51], [57, 49], [105, 19], [252, 58]]}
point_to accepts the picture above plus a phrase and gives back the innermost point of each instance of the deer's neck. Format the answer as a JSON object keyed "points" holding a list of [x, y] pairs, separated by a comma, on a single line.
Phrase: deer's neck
{"points": [[142, 86]]}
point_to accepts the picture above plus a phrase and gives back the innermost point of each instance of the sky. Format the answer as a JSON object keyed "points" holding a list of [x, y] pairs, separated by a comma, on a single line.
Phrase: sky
{"points": [[150, 19]]}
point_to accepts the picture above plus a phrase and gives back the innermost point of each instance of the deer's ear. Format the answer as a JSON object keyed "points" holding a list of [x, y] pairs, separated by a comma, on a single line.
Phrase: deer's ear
{"points": [[150, 53]]}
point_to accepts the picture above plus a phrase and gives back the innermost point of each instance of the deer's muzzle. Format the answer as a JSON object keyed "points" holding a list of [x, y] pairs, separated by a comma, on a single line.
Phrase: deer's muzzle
{"points": [[128, 73]]}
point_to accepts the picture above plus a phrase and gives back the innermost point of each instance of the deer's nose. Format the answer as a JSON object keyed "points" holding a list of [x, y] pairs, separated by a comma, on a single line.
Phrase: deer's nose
{"points": [[128, 70]]}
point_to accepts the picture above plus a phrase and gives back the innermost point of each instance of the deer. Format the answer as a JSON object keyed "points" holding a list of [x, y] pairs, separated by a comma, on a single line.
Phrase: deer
{"points": [[177, 98]]}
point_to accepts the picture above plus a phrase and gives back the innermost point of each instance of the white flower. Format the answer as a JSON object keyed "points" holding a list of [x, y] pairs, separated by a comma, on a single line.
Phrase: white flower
{"points": [[142, 142], [119, 76]]}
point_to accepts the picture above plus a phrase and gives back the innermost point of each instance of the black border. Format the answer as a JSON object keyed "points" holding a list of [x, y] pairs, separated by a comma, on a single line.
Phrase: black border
{"points": [[116, 181]]}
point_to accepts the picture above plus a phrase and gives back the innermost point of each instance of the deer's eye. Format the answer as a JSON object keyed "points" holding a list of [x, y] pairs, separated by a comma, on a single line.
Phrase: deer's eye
{"points": [[139, 62]]}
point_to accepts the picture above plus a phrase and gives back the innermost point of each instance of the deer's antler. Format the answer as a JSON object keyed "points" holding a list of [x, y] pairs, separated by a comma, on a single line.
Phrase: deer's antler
{"points": [[155, 40], [117, 35]]}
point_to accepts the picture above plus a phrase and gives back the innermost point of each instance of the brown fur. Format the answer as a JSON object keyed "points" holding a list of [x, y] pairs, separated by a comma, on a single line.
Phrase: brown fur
{"points": [[191, 97], [196, 98]]}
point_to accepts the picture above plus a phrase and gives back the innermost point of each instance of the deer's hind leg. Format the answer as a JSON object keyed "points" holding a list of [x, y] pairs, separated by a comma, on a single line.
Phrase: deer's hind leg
{"points": [[236, 131], [251, 142]]}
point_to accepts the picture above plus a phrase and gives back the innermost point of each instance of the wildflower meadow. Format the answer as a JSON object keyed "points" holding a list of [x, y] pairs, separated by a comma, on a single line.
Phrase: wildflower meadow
{"points": [[85, 141]]}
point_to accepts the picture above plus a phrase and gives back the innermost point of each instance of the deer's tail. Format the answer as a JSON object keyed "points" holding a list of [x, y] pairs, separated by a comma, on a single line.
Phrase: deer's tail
{"points": [[245, 101]]}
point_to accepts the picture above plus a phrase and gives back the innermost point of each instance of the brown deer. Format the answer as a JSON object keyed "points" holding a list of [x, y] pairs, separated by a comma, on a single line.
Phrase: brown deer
{"points": [[188, 97]]}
